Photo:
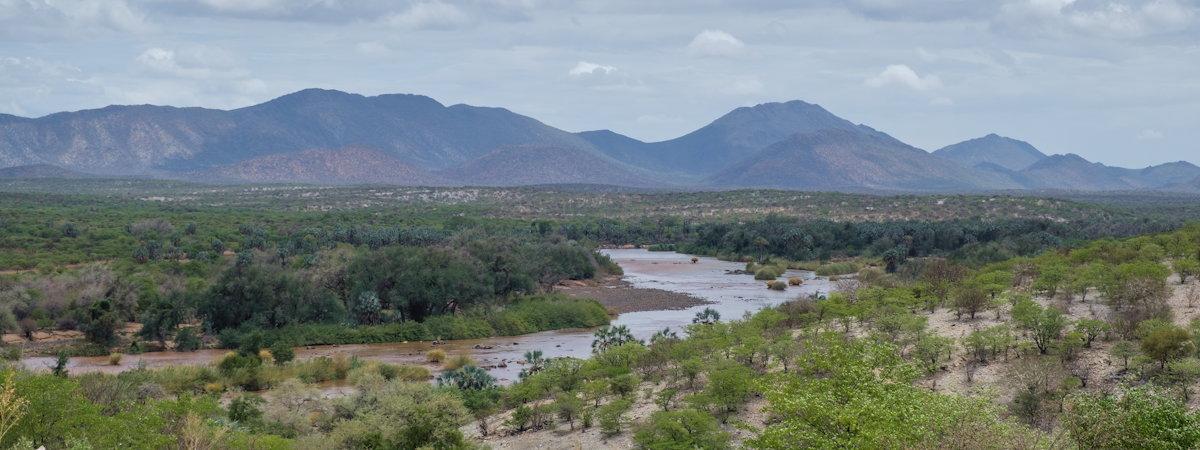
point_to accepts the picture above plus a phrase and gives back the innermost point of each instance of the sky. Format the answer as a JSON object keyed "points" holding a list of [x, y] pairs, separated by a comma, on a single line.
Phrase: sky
{"points": [[1116, 81]]}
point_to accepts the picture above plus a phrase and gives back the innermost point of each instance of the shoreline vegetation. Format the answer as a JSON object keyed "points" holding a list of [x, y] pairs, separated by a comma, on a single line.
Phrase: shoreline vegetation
{"points": [[999, 322]]}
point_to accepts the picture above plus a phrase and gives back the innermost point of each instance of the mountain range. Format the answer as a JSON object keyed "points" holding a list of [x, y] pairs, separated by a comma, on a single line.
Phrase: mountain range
{"points": [[332, 137]]}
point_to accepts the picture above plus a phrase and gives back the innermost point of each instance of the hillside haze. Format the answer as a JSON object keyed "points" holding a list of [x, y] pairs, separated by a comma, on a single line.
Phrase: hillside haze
{"points": [[332, 137]]}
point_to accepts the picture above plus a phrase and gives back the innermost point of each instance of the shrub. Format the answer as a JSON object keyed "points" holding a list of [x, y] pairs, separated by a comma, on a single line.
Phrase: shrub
{"points": [[612, 416], [467, 377], [114, 359], [435, 356], [838, 268], [686, 428], [777, 285], [767, 273], [458, 361], [282, 352], [186, 340]]}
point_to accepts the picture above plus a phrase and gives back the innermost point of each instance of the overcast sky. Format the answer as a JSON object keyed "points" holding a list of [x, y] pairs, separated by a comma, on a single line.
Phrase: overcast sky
{"points": [[1117, 81]]}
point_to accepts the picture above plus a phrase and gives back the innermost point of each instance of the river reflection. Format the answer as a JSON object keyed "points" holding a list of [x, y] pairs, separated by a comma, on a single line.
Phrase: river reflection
{"points": [[731, 295]]}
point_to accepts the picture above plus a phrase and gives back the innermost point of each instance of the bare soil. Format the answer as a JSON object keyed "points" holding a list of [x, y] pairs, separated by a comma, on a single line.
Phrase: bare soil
{"points": [[620, 297]]}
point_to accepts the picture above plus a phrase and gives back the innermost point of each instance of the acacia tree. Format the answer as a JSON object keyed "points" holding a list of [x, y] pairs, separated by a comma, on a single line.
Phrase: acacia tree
{"points": [[970, 298], [1044, 324], [1166, 342], [941, 276]]}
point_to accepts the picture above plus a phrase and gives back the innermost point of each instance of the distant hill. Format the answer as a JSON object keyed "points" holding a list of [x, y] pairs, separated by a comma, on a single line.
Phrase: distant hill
{"points": [[333, 137], [39, 171], [160, 140], [342, 166], [1005, 152], [838, 159], [733, 137], [511, 166]]}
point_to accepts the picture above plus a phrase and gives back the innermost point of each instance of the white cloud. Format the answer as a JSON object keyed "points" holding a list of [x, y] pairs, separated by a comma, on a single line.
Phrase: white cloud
{"points": [[942, 101], [372, 48], [902, 75], [431, 15], [199, 62], [715, 43], [745, 86], [245, 5], [1151, 134], [70, 17], [1120, 19], [584, 68]]}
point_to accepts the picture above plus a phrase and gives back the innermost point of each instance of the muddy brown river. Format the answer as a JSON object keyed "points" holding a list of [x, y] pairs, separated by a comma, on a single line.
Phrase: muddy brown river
{"points": [[731, 295]]}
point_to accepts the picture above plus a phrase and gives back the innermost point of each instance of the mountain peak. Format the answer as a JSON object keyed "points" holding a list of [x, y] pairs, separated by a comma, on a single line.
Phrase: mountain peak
{"points": [[1009, 153]]}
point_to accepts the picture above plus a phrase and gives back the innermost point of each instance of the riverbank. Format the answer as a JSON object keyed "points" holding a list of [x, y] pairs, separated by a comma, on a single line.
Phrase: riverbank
{"points": [[619, 296]]}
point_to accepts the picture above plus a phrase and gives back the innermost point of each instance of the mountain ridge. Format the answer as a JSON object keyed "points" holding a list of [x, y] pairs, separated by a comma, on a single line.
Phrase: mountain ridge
{"points": [[330, 136]]}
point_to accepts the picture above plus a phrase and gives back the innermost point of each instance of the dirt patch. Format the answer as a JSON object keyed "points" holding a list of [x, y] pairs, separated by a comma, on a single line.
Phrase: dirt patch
{"points": [[621, 297]]}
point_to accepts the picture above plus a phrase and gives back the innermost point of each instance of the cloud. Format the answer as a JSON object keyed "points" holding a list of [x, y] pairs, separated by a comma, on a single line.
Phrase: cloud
{"points": [[197, 62], [715, 43], [902, 75], [584, 68], [372, 48], [431, 15], [191, 75], [1100, 18], [942, 101], [745, 86], [65, 18], [1151, 134]]}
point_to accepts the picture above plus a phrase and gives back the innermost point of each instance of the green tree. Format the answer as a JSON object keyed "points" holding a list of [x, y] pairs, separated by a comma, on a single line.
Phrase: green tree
{"points": [[1124, 349], [1167, 342], [682, 429], [1186, 268], [1045, 325], [1091, 329], [1141, 418]]}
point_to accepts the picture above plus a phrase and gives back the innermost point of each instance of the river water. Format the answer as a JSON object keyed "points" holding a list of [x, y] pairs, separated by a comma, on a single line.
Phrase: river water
{"points": [[708, 279]]}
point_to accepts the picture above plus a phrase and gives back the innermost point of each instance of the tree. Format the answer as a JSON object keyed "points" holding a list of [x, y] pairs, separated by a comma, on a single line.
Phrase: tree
{"points": [[1091, 329], [729, 385], [682, 429], [611, 336], [161, 317], [708, 317], [1084, 279], [1167, 342], [419, 282], [482, 403], [366, 309], [1044, 324], [1186, 268], [568, 406], [100, 323], [12, 405], [941, 276], [994, 282], [931, 349], [1141, 418], [1051, 276], [267, 296], [970, 298], [467, 378], [1124, 350]]}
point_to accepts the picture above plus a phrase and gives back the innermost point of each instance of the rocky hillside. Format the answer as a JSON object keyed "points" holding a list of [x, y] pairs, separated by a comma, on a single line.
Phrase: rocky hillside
{"points": [[836, 160], [333, 137], [1005, 152]]}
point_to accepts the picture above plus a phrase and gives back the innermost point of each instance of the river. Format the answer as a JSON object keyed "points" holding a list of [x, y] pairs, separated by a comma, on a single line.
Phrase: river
{"points": [[708, 279]]}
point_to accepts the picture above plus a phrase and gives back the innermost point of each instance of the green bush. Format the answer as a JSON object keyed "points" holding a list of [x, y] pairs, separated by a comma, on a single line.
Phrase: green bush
{"points": [[838, 268], [683, 429], [612, 416]]}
